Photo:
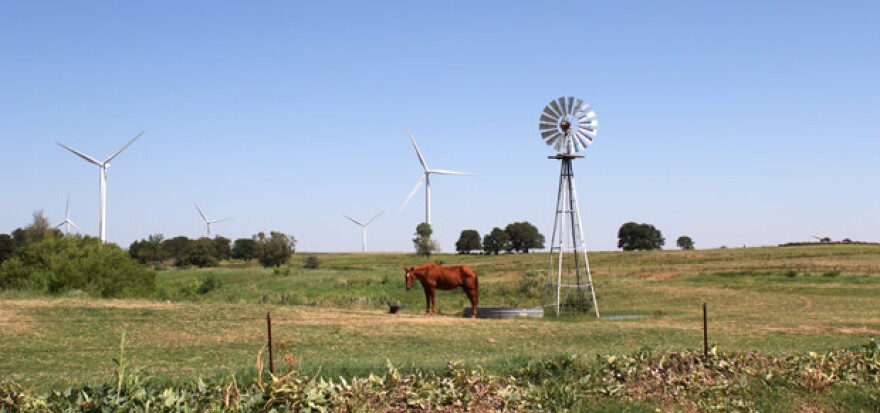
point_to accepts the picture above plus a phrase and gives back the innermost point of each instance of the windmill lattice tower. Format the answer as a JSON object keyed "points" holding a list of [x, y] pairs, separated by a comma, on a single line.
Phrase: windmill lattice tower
{"points": [[568, 125]]}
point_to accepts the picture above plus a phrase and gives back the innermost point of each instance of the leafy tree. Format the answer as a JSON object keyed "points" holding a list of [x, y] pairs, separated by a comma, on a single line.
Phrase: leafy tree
{"points": [[38, 230], [684, 242], [222, 247], [634, 237], [173, 248], [200, 252], [468, 241], [496, 241], [7, 247], [423, 242], [148, 251], [274, 250], [59, 264], [244, 249], [523, 237]]}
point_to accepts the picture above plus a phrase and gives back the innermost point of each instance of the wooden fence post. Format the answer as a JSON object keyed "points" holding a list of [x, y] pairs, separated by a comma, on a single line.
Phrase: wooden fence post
{"points": [[269, 328]]}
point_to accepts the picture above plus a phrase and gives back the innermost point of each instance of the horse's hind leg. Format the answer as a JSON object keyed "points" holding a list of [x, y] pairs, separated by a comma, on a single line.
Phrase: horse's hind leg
{"points": [[433, 302], [473, 295], [428, 301]]}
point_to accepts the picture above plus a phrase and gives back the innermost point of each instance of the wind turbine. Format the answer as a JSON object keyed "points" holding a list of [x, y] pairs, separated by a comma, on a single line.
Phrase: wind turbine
{"points": [[426, 179], [102, 177], [67, 220], [208, 222], [363, 226]]}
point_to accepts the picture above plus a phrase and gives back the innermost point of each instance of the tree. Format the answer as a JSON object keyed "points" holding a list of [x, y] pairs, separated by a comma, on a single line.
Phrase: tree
{"points": [[468, 241], [524, 236], [274, 250], [222, 247], [684, 242], [634, 237], [496, 241], [38, 230], [200, 252], [148, 251], [244, 249], [423, 242], [173, 248]]}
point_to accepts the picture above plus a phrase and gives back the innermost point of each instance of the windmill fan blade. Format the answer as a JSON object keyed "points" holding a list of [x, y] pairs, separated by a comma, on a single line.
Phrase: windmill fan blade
{"points": [[569, 105], [352, 220], [550, 112], [446, 172], [555, 106], [118, 151], [587, 138], [553, 139], [413, 192], [418, 152], [201, 213], [546, 126], [80, 154], [548, 134], [578, 107], [561, 103], [547, 119]]}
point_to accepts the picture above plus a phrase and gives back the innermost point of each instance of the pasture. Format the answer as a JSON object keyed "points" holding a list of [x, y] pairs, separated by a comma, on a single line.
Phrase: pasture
{"points": [[333, 320]]}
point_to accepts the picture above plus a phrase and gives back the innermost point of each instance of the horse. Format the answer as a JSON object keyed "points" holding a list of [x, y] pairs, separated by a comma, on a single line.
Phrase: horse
{"points": [[433, 276]]}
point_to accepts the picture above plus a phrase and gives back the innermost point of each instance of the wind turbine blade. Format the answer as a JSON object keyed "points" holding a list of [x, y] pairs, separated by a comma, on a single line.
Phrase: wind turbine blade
{"points": [[59, 225], [418, 152], [374, 218], [353, 220], [413, 192], [74, 225], [67, 208], [201, 213], [80, 154], [115, 154], [445, 172], [220, 220]]}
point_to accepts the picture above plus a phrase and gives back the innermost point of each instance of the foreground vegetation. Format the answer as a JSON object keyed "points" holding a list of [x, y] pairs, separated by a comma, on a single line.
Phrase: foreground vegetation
{"points": [[841, 380], [331, 320]]}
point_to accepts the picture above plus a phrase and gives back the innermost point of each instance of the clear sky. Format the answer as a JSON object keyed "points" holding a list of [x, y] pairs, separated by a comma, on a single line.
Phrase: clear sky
{"points": [[736, 123]]}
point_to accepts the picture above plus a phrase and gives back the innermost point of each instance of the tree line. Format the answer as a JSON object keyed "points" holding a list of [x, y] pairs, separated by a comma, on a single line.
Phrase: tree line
{"points": [[272, 250], [519, 237]]}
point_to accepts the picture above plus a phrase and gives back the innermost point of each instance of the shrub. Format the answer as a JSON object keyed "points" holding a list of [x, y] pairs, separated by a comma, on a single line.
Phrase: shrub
{"points": [[57, 265], [312, 262]]}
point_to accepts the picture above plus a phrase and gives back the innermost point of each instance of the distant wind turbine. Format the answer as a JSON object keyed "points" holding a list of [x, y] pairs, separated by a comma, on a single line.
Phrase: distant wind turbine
{"points": [[102, 177], [363, 226], [426, 179], [208, 222], [67, 220]]}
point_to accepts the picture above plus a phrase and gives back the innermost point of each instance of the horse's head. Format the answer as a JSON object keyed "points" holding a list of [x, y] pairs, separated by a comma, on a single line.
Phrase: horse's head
{"points": [[410, 277]]}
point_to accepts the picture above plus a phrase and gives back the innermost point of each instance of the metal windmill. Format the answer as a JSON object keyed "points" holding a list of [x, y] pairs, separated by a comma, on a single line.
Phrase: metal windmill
{"points": [[568, 125]]}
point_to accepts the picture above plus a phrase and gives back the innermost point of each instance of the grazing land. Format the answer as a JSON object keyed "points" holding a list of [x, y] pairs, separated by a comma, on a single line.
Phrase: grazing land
{"points": [[334, 320]]}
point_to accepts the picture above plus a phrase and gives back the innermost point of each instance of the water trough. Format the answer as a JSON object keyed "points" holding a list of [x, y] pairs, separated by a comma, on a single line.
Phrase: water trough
{"points": [[506, 312]]}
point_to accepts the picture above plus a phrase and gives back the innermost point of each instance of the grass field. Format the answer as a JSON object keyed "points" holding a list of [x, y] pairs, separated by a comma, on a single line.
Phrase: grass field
{"points": [[208, 322]]}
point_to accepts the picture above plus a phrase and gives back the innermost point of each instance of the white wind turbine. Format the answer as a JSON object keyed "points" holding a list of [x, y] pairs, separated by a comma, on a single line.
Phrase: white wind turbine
{"points": [[363, 226], [67, 221], [426, 179], [102, 177], [208, 222]]}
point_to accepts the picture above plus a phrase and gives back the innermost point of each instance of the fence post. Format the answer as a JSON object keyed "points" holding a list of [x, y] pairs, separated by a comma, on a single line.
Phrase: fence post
{"points": [[269, 328], [705, 335]]}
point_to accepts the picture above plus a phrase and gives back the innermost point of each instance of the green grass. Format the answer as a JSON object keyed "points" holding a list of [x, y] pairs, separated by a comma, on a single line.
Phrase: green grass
{"points": [[335, 318]]}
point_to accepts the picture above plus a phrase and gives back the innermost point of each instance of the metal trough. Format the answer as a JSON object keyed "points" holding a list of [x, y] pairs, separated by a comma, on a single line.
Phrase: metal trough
{"points": [[506, 312]]}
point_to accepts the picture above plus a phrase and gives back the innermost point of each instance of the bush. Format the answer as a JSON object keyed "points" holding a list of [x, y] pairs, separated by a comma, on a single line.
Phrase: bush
{"points": [[312, 262], [57, 265]]}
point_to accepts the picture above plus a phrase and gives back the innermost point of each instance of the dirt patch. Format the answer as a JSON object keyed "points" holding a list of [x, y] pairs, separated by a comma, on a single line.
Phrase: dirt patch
{"points": [[859, 330], [658, 276], [88, 303], [792, 330], [12, 321]]}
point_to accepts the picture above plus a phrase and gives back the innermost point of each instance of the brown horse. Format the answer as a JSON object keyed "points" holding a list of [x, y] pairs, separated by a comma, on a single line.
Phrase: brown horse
{"points": [[433, 276]]}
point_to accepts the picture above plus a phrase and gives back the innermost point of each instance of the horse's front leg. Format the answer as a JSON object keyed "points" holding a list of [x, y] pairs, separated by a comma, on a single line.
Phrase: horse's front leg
{"points": [[427, 300], [433, 301], [472, 295]]}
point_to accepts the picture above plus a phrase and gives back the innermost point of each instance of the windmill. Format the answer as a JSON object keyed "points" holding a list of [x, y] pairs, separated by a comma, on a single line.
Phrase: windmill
{"points": [[568, 125], [102, 177], [426, 179], [363, 226], [67, 221], [208, 222]]}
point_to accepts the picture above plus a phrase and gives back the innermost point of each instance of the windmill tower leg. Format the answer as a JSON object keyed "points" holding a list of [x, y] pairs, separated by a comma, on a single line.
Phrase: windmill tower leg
{"points": [[568, 284]]}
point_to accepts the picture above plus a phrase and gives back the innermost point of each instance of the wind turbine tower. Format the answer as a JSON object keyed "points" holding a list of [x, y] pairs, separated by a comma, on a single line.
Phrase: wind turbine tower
{"points": [[363, 227], [208, 222], [102, 178], [426, 179]]}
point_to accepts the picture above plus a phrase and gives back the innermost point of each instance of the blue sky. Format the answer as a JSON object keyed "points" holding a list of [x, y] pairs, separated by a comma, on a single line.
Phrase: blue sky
{"points": [[736, 123]]}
